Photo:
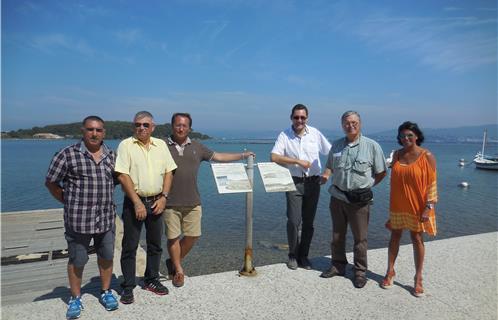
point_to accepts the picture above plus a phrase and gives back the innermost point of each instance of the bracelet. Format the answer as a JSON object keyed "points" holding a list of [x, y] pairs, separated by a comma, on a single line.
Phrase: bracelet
{"points": [[242, 154]]}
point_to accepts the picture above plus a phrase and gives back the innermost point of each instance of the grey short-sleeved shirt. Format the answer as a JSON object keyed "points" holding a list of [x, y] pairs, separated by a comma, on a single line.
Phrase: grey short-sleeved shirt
{"points": [[354, 165]]}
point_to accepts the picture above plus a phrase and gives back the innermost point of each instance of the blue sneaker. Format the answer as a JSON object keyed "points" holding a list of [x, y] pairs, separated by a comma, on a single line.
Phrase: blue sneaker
{"points": [[74, 308], [109, 301]]}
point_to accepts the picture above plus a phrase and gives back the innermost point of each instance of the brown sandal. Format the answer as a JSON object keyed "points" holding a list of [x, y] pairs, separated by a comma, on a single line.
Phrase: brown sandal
{"points": [[178, 280], [388, 281], [418, 289]]}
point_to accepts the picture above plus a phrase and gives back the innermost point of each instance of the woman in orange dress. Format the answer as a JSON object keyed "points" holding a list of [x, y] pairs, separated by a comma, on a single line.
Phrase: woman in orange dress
{"points": [[413, 195]]}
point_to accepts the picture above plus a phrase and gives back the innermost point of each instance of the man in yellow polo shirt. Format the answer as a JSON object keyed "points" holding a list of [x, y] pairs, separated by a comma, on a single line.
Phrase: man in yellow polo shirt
{"points": [[145, 169]]}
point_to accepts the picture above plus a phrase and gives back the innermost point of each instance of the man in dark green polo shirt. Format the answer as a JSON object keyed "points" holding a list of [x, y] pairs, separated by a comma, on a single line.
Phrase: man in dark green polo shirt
{"points": [[183, 211]]}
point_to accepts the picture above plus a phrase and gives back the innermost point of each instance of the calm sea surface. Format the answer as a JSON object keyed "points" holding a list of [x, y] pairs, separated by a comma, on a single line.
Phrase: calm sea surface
{"points": [[221, 247]]}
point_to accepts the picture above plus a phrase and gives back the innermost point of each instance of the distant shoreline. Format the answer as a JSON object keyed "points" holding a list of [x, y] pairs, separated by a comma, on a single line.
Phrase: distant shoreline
{"points": [[269, 140]]}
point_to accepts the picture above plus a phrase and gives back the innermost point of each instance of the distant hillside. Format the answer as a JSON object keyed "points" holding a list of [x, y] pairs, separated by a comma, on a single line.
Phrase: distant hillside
{"points": [[114, 130], [458, 134]]}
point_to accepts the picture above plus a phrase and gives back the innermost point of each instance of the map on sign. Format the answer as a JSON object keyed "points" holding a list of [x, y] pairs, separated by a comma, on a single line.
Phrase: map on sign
{"points": [[275, 178], [231, 177]]}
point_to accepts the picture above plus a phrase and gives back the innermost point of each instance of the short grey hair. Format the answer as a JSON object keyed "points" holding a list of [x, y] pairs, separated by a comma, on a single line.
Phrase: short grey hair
{"points": [[143, 114], [350, 113]]}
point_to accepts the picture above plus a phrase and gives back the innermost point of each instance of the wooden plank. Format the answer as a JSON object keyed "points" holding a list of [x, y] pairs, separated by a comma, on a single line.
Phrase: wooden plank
{"points": [[29, 232], [40, 280]]}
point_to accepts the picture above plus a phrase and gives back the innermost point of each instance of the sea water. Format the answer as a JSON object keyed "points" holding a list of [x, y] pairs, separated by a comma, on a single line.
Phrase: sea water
{"points": [[460, 211]]}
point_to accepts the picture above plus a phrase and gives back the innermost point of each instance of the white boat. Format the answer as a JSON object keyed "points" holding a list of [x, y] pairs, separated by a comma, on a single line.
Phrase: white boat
{"points": [[389, 160], [483, 161]]}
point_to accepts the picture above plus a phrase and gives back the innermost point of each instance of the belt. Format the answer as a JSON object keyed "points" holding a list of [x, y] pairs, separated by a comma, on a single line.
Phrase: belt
{"points": [[306, 179], [339, 189], [151, 198]]}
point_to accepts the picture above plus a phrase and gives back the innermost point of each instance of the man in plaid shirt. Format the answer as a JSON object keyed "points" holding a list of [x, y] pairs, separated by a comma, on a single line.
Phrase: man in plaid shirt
{"points": [[81, 177]]}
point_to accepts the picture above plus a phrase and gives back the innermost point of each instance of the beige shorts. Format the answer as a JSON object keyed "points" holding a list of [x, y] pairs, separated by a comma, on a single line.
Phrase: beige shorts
{"points": [[182, 219]]}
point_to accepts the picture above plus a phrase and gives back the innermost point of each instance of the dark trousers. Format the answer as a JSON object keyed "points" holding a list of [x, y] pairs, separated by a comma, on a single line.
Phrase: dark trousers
{"points": [[301, 210], [357, 216], [132, 228]]}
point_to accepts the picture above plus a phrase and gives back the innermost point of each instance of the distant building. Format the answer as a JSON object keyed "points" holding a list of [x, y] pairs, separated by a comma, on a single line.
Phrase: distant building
{"points": [[47, 136]]}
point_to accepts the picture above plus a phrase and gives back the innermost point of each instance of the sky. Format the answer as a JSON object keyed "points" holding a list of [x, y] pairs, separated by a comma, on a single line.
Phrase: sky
{"points": [[240, 66]]}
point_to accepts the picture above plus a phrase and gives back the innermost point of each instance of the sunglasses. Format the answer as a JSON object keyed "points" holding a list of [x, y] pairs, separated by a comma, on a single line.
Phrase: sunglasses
{"points": [[96, 129], [404, 136], [145, 125], [299, 118]]}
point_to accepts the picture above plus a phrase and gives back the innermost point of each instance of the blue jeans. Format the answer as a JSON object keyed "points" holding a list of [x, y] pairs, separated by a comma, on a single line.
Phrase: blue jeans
{"points": [[131, 237]]}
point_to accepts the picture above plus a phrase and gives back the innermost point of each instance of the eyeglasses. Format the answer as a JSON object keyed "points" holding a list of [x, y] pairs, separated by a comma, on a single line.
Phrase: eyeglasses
{"points": [[145, 125], [96, 129], [408, 135], [299, 118], [179, 126], [353, 124]]}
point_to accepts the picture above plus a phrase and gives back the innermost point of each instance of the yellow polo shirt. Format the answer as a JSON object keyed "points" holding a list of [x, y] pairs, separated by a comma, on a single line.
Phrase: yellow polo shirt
{"points": [[146, 168]]}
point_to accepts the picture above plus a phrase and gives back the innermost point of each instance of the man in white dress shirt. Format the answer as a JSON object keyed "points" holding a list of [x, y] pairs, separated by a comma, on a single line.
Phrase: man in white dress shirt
{"points": [[298, 148]]}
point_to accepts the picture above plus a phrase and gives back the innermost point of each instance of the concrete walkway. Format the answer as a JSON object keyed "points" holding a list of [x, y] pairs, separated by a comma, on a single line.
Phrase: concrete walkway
{"points": [[460, 283]]}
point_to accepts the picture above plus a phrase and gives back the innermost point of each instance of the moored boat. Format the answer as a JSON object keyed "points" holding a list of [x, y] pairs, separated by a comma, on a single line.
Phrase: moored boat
{"points": [[389, 160], [483, 161]]}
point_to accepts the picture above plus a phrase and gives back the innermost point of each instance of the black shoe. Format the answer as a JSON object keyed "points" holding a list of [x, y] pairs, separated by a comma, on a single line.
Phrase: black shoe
{"points": [[332, 272], [304, 263], [127, 296], [292, 263], [156, 287], [360, 281], [170, 267]]}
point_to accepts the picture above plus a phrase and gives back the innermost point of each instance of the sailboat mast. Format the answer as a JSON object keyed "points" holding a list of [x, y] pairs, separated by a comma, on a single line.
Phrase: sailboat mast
{"points": [[483, 142]]}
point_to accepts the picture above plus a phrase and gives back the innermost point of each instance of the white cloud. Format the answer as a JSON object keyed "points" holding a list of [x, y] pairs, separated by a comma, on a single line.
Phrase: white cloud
{"points": [[300, 81], [490, 9], [457, 44], [129, 36], [52, 42], [452, 9], [214, 29]]}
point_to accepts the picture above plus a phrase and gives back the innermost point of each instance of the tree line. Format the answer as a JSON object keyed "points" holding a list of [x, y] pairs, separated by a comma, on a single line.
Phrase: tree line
{"points": [[114, 130]]}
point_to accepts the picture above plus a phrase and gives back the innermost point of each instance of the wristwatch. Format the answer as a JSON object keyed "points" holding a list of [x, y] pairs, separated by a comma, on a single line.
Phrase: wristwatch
{"points": [[165, 195], [429, 206]]}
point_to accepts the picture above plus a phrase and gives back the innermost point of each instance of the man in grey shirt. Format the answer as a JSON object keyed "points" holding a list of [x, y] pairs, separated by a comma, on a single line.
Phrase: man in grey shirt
{"points": [[357, 164]]}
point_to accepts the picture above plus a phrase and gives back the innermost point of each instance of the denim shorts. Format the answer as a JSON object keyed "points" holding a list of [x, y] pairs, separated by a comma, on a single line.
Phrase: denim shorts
{"points": [[79, 243]]}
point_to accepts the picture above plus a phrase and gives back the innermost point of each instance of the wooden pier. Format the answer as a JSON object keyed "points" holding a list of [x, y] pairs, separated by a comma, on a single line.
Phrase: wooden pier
{"points": [[34, 258], [32, 232]]}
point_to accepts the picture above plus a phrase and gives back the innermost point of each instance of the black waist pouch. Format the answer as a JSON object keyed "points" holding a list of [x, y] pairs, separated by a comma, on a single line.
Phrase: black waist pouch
{"points": [[359, 195]]}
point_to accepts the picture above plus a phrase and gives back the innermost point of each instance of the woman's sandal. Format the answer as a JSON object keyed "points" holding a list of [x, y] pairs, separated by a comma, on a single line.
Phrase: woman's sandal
{"points": [[418, 289], [388, 281]]}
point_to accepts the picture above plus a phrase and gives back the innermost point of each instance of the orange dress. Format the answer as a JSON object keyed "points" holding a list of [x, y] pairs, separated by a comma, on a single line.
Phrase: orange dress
{"points": [[412, 186]]}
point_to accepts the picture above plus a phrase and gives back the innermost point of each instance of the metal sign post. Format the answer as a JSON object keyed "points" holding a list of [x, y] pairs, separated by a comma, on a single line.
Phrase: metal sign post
{"points": [[248, 268]]}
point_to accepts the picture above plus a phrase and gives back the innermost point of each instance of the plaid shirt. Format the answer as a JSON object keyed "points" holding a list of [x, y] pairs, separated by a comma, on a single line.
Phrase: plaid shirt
{"points": [[88, 188]]}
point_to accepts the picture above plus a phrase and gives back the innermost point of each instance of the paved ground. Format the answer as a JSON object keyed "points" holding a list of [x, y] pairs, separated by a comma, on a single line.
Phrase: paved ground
{"points": [[460, 283]]}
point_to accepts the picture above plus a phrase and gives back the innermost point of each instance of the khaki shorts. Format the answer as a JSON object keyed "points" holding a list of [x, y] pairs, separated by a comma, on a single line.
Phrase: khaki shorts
{"points": [[182, 219]]}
